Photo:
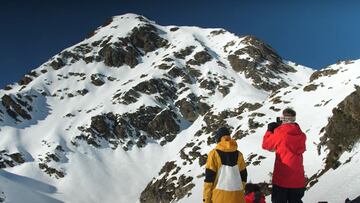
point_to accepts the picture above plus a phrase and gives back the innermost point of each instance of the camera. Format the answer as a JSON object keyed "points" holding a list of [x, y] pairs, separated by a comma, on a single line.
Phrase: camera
{"points": [[278, 120]]}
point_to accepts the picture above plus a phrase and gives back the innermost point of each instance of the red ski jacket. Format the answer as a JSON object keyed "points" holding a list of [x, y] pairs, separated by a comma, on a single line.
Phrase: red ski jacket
{"points": [[288, 141]]}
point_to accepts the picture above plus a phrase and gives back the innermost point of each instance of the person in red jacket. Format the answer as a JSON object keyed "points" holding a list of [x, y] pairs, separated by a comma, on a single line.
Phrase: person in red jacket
{"points": [[286, 139], [253, 194]]}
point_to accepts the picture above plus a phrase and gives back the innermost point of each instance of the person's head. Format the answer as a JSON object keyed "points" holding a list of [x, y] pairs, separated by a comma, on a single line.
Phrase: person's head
{"points": [[288, 115], [251, 187], [223, 131]]}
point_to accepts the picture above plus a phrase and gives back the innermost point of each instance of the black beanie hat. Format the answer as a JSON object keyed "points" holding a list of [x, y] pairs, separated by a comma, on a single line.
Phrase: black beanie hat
{"points": [[221, 132]]}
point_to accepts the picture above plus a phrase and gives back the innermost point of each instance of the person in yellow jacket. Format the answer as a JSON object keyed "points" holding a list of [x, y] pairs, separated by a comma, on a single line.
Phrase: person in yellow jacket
{"points": [[225, 173]]}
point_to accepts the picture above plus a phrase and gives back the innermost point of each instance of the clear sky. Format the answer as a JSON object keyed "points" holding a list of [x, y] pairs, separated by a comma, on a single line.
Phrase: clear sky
{"points": [[314, 33]]}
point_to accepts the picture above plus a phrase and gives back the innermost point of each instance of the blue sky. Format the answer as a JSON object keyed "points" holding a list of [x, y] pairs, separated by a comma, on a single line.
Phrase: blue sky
{"points": [[313, 33]]}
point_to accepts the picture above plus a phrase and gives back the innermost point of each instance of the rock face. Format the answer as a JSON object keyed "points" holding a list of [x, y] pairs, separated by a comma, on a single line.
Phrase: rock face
{"points": [[97, 79], [10, 160], [115, 56], [16, 107], [341, 133], [22, 107], [57, 64], [69, 57], [51, 171], [25, 80], [125, 51], [49, 162], [131, 128], [200, 58], [164, 87], [167, 189], [260, 53], [322, 73], [343, 130], [164, 125], [191, 107], [146, 38], [126, 98], [184, 52]]}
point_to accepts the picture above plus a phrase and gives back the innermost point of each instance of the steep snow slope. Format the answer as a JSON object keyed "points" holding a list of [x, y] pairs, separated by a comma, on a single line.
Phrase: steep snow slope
{"points": [[127, 114], [19, 188]]}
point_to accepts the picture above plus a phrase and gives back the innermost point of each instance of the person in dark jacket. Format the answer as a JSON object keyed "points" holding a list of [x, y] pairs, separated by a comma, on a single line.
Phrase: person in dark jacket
{"points": [[286, 139]]}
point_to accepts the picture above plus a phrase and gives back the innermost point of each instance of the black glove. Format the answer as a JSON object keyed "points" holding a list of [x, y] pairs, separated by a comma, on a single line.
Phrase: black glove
{"points": [[272, 126]]}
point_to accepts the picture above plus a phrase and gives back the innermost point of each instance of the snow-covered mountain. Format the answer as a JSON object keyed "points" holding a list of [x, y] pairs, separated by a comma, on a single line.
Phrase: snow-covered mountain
{"points": [[128, 115]]}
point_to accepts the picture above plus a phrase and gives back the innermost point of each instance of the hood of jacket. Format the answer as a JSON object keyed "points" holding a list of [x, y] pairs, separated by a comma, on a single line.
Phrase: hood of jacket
{"points": [[227, 144], [294, 138]]}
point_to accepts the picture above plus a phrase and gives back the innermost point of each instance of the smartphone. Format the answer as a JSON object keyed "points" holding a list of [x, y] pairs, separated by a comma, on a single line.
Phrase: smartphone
{"points": [[278, 120]]}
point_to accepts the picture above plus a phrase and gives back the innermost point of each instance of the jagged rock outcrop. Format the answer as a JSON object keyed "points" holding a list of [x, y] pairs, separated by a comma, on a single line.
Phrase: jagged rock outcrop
{"points": [[321, 73], [131, 128], [56, 155], [343, 130], [341, 133], [10, 160], [313, 84], [97, 79], [191, 107], [169, 188], [15, 106], [146, 38], [260, 53], [126, 50], [200, 58], [184, 52], [123, 52], [164, 125], [126, 98], [114, 55], [71, 56], [176, 72], [51, 171], [166, 88], [57, 64], [25, 80], [107, 127]]}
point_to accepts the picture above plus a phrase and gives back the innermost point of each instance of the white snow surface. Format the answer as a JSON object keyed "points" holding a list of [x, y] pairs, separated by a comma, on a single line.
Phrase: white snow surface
{"points": [[108, 175]]}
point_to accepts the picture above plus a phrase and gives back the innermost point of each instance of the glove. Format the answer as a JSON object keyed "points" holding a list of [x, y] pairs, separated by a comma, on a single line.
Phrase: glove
{"points": [[272, 126], [206, 200]]}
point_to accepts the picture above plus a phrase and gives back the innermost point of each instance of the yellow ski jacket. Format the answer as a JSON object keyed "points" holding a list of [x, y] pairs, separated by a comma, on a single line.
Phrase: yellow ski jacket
{"points": [[225, 174]]}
